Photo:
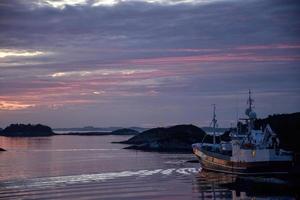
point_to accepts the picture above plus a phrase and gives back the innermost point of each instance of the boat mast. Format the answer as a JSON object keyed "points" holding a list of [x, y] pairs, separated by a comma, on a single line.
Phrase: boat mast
{"points": [[214, 122], [250, 101], [250, 113]]}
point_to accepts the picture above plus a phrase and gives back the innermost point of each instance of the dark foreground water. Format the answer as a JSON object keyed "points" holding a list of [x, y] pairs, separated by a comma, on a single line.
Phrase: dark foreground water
{"points": [[90, 167]]}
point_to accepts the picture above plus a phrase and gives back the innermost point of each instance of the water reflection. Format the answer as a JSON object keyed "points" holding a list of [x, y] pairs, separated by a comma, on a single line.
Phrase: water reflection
{"points": [[208, 185], [211, 185], [68, 167], [66, 155], [21, 143]]}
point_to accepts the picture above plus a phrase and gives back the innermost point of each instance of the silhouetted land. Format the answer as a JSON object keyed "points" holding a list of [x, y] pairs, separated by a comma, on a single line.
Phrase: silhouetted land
{"points": [[123, 131], [29, 130], [287, 127], [180, 137], [96, 129], [210, 129], [1, 148], [93, 133], [175, 138]]}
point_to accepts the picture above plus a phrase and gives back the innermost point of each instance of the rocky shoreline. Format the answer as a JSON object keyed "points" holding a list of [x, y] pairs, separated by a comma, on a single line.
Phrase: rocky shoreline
{"points": [[171, 139]]}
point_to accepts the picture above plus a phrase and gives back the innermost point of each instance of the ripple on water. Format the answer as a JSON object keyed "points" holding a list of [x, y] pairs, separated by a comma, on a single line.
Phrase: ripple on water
{"points": [[125, 184], [86, 178]]}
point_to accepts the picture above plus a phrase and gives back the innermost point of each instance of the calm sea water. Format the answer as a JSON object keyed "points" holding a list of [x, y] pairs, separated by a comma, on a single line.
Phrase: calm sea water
{"points": [[91, 167]]}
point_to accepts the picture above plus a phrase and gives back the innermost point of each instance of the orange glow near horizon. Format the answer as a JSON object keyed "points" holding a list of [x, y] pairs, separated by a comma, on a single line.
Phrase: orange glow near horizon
{"points": [[14, 105]]}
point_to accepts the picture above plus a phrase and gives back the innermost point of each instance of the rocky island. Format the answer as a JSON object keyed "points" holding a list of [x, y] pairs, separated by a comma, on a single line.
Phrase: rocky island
{"points": [[26, 130], [175, 138]]}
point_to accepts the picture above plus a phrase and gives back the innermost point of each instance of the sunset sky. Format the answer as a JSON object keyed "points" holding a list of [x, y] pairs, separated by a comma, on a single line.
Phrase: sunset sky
{"points": [[74, 63]]}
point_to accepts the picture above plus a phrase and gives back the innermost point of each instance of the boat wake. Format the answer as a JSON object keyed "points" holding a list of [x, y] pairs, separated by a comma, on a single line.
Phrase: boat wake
{"points": [[88, 178]]}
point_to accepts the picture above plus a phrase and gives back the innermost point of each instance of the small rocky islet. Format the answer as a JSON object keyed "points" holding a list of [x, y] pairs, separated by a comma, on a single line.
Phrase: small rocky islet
{"points": [[175, 138]]}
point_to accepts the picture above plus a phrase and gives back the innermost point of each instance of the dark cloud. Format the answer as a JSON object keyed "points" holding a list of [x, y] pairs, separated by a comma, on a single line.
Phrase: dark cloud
{"points": [[151, 25], [197, 52]]}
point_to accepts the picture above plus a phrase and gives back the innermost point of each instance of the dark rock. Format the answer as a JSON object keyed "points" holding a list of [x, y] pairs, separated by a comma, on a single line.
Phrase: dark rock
{"points": [[124, 131], [2, 149], [23, 130], [175, 138]]}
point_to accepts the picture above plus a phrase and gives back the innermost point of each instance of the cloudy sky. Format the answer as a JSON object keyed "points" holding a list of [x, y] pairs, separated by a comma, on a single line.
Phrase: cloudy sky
{"points": [[72, 63]]}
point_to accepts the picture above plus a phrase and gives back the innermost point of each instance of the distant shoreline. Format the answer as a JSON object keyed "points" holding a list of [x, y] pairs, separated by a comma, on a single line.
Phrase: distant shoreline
{"points": [[83, 133], [39, 130], [89, 133]]}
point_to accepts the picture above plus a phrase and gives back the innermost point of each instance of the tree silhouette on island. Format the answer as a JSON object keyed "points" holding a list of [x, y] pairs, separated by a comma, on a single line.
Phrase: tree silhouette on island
{"points": [[29, 130]]}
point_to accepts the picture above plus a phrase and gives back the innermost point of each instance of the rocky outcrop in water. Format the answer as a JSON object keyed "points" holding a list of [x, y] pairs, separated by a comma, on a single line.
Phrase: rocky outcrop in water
{"points": [[124, 131], [26, 130], [175, 138]]}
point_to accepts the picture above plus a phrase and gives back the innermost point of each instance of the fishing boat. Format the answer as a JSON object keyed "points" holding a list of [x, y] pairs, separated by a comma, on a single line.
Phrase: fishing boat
{"points": [[250, 151]]}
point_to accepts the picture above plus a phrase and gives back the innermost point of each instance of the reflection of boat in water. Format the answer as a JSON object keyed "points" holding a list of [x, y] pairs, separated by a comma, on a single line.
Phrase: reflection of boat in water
{"points": [[211, 185], [250, 151], [264, 186]]}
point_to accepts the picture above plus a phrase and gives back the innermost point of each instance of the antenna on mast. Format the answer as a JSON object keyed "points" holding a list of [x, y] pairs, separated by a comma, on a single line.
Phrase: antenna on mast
{"points": [[250, 101], [250, 113], [214, 123], [237, 110]]}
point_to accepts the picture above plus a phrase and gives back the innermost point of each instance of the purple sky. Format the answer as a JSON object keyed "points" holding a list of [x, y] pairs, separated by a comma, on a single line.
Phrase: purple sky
{"points": [[146, 62]]}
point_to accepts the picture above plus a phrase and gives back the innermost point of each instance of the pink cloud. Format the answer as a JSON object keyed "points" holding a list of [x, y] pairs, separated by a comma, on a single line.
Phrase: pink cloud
{"points": [[229, 57], [72, 91], [75, 89], [273, 46]]}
